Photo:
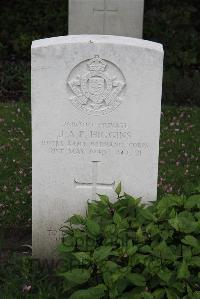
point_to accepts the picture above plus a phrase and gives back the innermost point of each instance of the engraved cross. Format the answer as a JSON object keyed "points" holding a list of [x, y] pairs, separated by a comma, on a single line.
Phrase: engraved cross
{"points": [[104, 11], [94, 184]]}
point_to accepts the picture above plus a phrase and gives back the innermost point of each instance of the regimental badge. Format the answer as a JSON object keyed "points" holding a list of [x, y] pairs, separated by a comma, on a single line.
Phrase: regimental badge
{"points": [[96, 85]]}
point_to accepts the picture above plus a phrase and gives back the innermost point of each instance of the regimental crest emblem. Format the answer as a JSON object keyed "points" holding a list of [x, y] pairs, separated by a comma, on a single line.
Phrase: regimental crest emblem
{"points": [[96, 85]]}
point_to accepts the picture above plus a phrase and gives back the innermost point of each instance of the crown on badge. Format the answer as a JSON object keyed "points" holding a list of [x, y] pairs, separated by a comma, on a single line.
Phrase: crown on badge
{"points": [[96, 64]]}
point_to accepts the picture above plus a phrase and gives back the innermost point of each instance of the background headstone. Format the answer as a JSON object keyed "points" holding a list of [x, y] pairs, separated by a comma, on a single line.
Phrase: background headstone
{"points": [[96, 103], [112, 17]]}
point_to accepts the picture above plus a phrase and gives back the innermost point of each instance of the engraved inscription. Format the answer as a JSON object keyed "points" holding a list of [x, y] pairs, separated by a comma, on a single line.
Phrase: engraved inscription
{"points": [[96, 85], [94, 184], [102, 139]]}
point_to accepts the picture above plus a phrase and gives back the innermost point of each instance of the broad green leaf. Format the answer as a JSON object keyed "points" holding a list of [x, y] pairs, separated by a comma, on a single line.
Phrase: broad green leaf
{"points": [[82, 257], [184, 222], [190, 293], [192, 241], [146, 249], [164, 252], [195, 261], [165, 275], [197, 215], [136, 279], [118, 189], [110, 229], [170, 201], [183, 272], [76, 219], [131, 250], [147, 296], [77, 276], [93, 227], [117, 276], [132, 202], [65, 248], [117, 219], [102, 253], [152, 229], [176, 285], [171, 294], [91, 293], [113, 292], [196, 295], [139, 235], [104, 199], [159, 293], [193, 202], [186, 252], [133, 294], [111, 266], [146, 214]]}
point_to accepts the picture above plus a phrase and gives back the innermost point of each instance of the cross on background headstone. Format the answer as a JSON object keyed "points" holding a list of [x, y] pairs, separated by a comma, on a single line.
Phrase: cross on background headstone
{"points": [[109, 17], [94, 184], [104, 11]]}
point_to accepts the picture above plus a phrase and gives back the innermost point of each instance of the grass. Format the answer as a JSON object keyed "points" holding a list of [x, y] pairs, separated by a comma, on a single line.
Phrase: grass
{"points": [[179, 169], [15, 164]]}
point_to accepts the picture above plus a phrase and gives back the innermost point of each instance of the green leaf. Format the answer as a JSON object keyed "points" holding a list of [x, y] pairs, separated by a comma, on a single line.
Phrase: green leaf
{"points": [[111, 266], [136, 279], [102, 253], [77, 276], [164, 252], [131, 250], [192, 241], [139, 235], [193, 202], [165, 275], [184, 222], [190, 293], [147, 296], [76, 219], [64, 248], [91, 293], [159, 293], [82, 257], [183, 272], [170, 201], [195, 261], [147, 214], [93, 227], [118, 189], [104, 199], [117, 219], [171, 294]]}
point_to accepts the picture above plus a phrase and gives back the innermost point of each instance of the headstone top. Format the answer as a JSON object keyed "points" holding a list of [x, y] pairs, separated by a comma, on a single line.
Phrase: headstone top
{"points": [[105, 39]]}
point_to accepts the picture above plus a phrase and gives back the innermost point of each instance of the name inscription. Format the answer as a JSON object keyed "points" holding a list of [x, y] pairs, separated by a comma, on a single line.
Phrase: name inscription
{"points": [[102, 139]]}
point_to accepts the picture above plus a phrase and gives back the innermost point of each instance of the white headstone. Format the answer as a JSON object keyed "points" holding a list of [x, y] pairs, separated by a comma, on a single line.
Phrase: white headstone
{"points": [[96, 104], [113, 17]]}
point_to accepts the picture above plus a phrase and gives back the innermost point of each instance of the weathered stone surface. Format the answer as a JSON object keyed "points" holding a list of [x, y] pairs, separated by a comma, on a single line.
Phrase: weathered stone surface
{"points": [[113, 17], [96, 103]]}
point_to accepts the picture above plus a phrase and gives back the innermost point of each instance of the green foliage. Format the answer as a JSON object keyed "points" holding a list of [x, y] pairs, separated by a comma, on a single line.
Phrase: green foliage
{"points": [[176, 25], [128, 250], [24, 277], [21, 22]]}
